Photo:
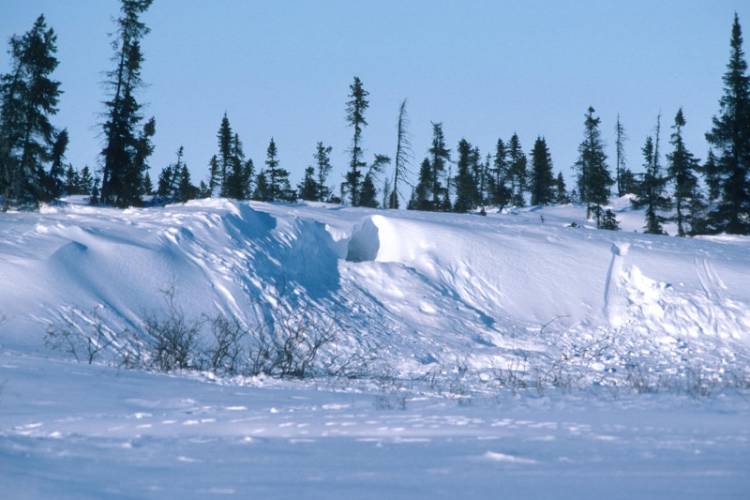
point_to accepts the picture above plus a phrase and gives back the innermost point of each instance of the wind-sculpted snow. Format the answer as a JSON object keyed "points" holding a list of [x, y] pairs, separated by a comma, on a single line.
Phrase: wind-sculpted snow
{"points": [[421, 289]]}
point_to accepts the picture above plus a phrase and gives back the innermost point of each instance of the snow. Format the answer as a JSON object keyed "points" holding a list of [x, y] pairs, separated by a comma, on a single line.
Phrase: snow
{"points": [[464, 301]]}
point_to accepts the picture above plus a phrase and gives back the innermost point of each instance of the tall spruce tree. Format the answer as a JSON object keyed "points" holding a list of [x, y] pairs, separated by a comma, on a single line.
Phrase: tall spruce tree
{"points": [[235, 183], [682, 170], [624, 178], [422, 195], [86, 183], [440, 157], [594, 179], [713, 176], [323, 166], [369, 195], [730, 138], [225, 137], [466, 187], [143, 150], [28, 99], [308, 188], [542, 178], [71, 180], [561, 192], [517, 170], [277, 177], [261, 192], [652, 194], [355, 116], [501, 193], [56, 176], [214, 176], [121, 179], [402, 158]]}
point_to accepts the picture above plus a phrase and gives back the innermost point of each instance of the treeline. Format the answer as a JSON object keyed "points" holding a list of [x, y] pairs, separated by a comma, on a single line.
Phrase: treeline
{"points": [[700, 197]]}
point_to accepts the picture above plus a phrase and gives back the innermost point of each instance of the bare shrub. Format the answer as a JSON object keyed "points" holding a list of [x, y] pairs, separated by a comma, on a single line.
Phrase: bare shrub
{"points": [[82, 341]]}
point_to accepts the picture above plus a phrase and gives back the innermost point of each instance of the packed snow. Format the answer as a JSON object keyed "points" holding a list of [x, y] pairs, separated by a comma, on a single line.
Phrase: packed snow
{"points": [[524, 354]]}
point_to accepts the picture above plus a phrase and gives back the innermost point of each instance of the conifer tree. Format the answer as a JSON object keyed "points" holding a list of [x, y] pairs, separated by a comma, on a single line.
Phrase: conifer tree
{"points": [[369, 194], [277, 177], [71, 180], [517, 170], [262, 192], [561, 192], [55, 177], [164, 187], [440, 157], [403, 156], [682, 170], [422, 196], [28, 98], [594, 179], [235, 176], [620, 156], [501, 193], [122, 181], [308, 188], [730, 138], [214, 176], [86, 182], [185, 189], [355, 116], [542, 178], [225, 137], [143, 149], [466, 187], [323, 164], [148, 185], [651, 194]]}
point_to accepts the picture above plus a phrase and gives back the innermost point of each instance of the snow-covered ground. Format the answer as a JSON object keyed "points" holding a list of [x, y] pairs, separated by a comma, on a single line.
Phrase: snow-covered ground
{"points": [[462, 315]]}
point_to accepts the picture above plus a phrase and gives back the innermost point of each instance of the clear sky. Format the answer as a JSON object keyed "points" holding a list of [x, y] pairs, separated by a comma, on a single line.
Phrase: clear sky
{"points": [[483, 68]]}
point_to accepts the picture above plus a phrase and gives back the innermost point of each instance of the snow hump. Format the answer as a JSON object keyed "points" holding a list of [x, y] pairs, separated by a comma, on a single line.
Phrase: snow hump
{"points": [[364, 242]]}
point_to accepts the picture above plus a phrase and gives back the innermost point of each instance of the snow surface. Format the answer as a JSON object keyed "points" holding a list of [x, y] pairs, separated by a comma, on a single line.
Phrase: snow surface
{"points": [[428, 293]]}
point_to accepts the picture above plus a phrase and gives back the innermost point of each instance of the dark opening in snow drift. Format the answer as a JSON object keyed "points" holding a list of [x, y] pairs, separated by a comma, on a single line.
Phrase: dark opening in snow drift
{"points": [[364, 243]]}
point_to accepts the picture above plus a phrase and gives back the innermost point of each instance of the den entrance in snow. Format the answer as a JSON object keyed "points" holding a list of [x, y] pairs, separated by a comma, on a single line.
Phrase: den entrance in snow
{"points": [[364, 243]]}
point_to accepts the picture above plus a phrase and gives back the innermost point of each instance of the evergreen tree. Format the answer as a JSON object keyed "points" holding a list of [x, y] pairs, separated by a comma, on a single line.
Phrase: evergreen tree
{"points": [[730, 137], [651, 194], [561, 192], [323, 163], [682, 169], [608, 219], [517, 170], [594, 179], [122, 180], [185, 188], [95, 190], [629, 182], [403, 156], [165, 182], [214, 176], [355, 116], [262, 191], [143, 149], [542, 178], [466, 187], [71, 180], [277, 177], [28, 97], [308, 188], [621, 170], [369, 194], [440, 156], [501, 193], [225, 137], [55, 178], [248, 173], [422, 196], [235, 181], [86, 182]]}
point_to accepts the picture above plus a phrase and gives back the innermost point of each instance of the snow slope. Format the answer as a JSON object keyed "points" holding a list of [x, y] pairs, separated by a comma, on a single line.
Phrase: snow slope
{"points": [[420, 288]]}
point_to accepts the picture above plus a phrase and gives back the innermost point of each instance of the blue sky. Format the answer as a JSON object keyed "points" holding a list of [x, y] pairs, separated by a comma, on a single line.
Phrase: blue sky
{"points": [[483, 68]]}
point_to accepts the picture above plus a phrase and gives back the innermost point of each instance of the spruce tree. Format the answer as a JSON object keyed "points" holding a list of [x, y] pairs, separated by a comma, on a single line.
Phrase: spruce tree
{"points": [[440, 157], [730, 138], [185, 189], [225, 137], [594, 179], [403, 156], [369, 194], [323, 165], [308, 188], [542, 178], [28, 98], [56, 176], [148, 185], [501, 193], [682, 170], [143, 149], [620, 157], [214, 176], [713, 176], [235, 182], [517, 170], [355, 116], [277, 177], [71, 180], [651, 193], [561, 192], [165, 182], [86, 182], [466, 187], [261, 192], [422, 196], [121, 179]]}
